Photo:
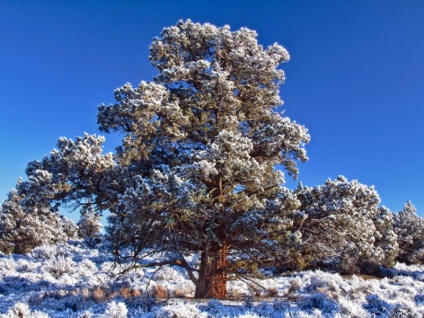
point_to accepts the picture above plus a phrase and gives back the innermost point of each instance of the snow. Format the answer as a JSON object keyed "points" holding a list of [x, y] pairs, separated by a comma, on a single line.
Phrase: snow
{"points": [[74, 280]]}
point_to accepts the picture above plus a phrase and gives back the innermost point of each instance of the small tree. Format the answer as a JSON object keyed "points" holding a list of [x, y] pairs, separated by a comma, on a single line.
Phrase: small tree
{"points": [[24, 227], [344, 228], [69, 227], [409, 228], [200, 154], [89, 224]]}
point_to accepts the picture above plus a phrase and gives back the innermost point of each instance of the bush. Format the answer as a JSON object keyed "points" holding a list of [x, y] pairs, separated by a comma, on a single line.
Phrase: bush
{"points": [[345, 230], [180, 310], [409, 228], [115, 310]]}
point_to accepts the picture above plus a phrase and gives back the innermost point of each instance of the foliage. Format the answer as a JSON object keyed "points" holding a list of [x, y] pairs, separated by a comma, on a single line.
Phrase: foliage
{"points": [[345, 229], [89, 224], [77, 172], [25, 225], [200, 152], [409, 228]]}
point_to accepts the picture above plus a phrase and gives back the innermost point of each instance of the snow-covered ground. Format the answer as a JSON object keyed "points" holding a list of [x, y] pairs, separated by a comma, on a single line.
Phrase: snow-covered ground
{"points": [[73, 280]]}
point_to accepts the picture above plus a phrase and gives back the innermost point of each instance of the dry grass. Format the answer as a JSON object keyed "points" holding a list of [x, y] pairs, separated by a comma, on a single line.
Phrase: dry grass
{"points": [[128, 293], [160, 292], [99, 295]]}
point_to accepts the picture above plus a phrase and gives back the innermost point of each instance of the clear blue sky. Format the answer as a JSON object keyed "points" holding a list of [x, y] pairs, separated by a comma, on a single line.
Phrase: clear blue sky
{"points": [[355, 78]]}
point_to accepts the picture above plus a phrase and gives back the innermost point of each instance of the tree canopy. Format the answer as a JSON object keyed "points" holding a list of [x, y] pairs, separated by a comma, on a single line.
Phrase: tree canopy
{"points": [[200, 152]]}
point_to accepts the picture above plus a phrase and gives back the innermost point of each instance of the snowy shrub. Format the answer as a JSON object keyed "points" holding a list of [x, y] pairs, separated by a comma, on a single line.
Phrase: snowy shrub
{"points": [[182, 290], [344, 229], [160, 292], [60, 266], [26, 223], [62, 301], [115, 310], [43, 252], [264, 308], [405, 310], [180, 310], [86, 314], [409, 228], [21, 310], [349, 308], [249, 314], [89, 224], [292, 293], [167, 273]]}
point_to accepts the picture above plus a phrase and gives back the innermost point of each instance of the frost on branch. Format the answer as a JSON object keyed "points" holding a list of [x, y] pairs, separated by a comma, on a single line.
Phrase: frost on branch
{"points": [[345, 229], [79, 172], [409, 228], [199, 154]]}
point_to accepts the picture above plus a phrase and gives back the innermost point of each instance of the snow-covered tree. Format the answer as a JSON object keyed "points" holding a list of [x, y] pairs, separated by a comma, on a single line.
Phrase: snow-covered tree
{"points": [[345, 228], [409, 228], [200, 154], [69, 227], [24, 226], [89, 223]]}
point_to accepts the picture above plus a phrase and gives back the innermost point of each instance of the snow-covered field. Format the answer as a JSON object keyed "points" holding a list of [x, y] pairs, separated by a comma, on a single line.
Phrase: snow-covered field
{"points": [[76, 281]]}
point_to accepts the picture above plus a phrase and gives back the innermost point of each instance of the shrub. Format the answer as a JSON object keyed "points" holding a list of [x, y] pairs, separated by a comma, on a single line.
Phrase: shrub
{"points": [[345, 230], [409, 228], [115, 310]]}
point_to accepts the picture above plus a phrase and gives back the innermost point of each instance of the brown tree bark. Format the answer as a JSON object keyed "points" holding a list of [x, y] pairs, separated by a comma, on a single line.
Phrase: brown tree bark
{"points": [[213, 274]]}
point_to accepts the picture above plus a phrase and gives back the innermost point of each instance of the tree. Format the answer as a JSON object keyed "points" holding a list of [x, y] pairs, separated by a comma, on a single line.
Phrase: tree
{"points": [[198, 163], [24, 226], [409, 228], [345, 229], [89, 224]]}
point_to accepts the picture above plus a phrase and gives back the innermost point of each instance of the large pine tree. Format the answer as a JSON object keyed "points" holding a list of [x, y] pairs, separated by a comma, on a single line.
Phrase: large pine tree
{"points": [[200, 154]]}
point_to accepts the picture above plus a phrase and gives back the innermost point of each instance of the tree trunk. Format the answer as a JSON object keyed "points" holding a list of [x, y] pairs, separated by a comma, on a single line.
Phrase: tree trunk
{"points": [[212, 281]]}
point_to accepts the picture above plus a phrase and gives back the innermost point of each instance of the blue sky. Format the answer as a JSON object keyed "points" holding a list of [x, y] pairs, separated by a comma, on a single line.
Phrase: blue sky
{"points": [[355, 78]]}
